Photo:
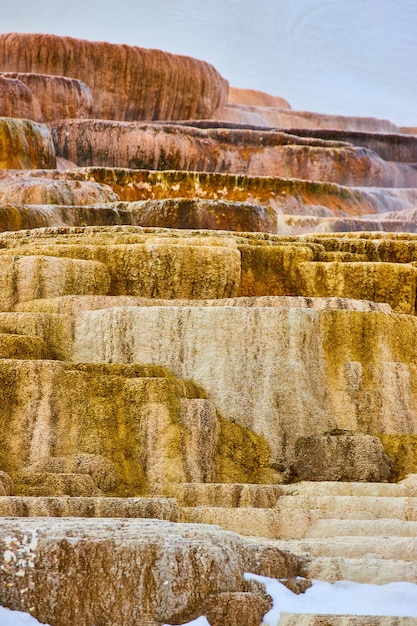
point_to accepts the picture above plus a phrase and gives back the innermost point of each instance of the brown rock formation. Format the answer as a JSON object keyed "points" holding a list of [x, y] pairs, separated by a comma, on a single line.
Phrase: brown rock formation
{"points": [[380, 282], [17, 100], [283, 118], [172, 213], [144, 571], [188, 375], [390, 146], [285, 195], [44, 188], [58, 97], [86, 506], [6, 484], [127, 82], [340, 456], [160, 146], [230, 607], [256, 98], [28, 278], [188, 214], [25, 144], [290, 197], [200, 267]]}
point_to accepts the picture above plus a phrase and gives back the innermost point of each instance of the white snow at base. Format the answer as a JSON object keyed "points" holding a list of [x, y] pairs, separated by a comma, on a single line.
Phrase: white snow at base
{"points": [[200, 621], [17, 618], [339, 598]]}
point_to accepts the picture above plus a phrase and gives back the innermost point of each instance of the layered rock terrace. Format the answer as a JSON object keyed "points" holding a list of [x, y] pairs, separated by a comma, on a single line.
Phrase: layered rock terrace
{"points": [[207, 341]]}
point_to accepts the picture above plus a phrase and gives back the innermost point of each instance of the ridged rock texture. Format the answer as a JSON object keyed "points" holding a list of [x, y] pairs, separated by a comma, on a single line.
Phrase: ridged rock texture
{"points": [[58, 97], [207, 316], [281, 117], [127, 82], [253, 153], [328, 363], [58, 569], [17, 100], [21, 188]]}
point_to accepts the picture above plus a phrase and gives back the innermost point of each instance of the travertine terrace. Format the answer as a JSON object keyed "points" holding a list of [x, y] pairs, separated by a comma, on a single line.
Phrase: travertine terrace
{"points": [[208, 341]]}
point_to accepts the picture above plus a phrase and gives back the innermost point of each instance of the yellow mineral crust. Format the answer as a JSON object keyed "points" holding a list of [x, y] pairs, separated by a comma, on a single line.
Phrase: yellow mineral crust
{"points": [[181, 264], [124, 426], [25, 144], [227, 337], [286, 337]]}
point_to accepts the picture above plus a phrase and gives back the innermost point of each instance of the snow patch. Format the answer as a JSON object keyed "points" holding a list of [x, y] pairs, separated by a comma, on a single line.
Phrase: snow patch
{"points": [[340, 598], [17, 618]]}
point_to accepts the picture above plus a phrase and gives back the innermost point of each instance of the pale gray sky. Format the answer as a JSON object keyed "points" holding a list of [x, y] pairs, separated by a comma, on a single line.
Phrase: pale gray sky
{"points": [[355, 57]]}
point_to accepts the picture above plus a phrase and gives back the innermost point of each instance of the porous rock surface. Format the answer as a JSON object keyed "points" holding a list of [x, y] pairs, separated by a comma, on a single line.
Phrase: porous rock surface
{"points": [[226, 336], [340, 456], [144, 571]]}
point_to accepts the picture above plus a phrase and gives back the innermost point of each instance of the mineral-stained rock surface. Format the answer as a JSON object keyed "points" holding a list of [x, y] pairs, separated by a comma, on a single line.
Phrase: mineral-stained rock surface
{"points": [[196, 214], [44, 188], [173, 212], [291, 198], [58, 96], [225, 336], [313, 373], [324, 367], [281, 117], [257, 98], [156, 419], [144, 571], [390, 146], [6, 484], [25, 144], [229, 608], [340, 456], [17, 100], [159, 146], [127, 82]]}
